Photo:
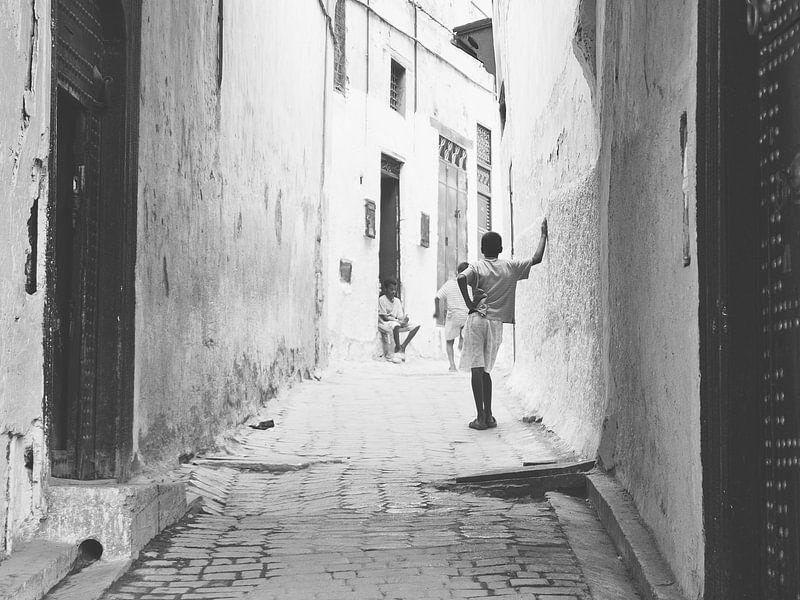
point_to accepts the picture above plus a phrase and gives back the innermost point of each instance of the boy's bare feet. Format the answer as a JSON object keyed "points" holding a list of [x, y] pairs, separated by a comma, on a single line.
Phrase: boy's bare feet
{"points": [[452, 369], [491, 422], [478, 424]]}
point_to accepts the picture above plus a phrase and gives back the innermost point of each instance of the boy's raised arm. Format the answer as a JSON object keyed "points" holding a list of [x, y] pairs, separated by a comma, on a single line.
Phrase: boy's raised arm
{"points": [[537, 256]]}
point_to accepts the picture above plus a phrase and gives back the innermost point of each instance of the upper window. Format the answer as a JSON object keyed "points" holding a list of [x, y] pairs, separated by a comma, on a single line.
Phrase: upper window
{"points": [[397, 91], [340, 33], [484, 145]]}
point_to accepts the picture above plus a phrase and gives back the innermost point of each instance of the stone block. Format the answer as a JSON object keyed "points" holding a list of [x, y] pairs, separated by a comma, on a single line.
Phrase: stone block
{"points": [[34, 568], [122, 517]]}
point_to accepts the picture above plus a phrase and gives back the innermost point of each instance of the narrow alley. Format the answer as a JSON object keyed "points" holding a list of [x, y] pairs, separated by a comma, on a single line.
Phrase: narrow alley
{"points": [[241, 237], [365, 519]]}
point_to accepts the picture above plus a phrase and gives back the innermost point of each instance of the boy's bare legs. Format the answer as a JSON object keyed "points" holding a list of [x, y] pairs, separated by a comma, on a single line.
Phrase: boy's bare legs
{"points": [[487, 400], [410, 337], [478, 394], [451, 355], [396, 335]]}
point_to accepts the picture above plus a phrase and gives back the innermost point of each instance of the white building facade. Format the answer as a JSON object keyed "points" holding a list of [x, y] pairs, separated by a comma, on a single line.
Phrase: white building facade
{"points": [[414, 128]]}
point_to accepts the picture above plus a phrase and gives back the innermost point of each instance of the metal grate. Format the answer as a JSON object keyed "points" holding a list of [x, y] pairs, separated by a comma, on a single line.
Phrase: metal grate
{"points": [[484, 145], [484, 214], [339, 55], [397, 83], [484, 181]]}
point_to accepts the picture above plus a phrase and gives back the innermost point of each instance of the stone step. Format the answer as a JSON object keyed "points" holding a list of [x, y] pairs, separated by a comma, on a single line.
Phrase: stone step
{"points": [[34, 568], [91, 582]]}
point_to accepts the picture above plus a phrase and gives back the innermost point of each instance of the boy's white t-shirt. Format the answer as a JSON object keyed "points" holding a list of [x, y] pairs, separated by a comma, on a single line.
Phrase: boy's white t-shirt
{"points": [[392, 308], [451, 294], [498, 277]]}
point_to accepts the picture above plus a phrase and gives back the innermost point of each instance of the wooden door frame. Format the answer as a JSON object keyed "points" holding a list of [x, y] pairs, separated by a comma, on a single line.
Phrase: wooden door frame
{"points": [[391, 167], [727, 206], [124, 346]]}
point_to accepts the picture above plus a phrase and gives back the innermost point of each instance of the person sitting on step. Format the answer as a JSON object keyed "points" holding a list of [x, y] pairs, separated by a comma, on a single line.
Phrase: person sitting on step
{"points": [[393, 320]]}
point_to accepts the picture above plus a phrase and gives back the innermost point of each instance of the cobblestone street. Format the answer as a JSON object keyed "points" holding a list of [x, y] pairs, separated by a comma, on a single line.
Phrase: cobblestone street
{"points": [[364, 518]]}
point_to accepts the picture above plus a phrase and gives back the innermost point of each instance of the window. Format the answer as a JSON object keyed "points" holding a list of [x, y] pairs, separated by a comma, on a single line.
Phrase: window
{"points": [[397, 91], [340, 32], [484, 145], [484, 200], [484, 151]]}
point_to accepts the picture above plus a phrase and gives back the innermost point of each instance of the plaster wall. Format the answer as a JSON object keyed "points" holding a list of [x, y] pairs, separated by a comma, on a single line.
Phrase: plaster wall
{"points": [[652, 434], [446, 91], [24, 137], [550, 145], [607, 333], [229, 259]]}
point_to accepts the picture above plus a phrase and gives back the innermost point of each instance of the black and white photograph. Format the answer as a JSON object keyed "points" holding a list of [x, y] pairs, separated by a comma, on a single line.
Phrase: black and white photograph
{"points": [[399, 299]]}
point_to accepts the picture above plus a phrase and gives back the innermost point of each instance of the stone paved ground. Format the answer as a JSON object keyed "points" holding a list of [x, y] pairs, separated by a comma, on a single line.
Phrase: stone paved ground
{"points": [[364, 520]]}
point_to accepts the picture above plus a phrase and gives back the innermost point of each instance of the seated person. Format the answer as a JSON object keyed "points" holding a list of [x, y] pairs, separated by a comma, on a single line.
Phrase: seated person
{"points": [[393, 319]]}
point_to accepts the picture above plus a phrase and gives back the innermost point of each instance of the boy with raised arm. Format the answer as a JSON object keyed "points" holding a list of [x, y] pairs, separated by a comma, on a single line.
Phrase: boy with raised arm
{"points": [[494, 285]]}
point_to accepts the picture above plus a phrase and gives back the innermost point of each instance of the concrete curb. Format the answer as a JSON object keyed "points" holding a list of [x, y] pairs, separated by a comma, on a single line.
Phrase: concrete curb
{"points": [[635, 542], [92, 582], [34, 568], [605, 573]]}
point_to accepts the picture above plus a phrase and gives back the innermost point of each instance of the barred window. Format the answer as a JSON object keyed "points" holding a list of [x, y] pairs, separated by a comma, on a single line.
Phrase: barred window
{"points": [[484, 145], [484, 214], [397, 90], [340, 32], [484, 199]]}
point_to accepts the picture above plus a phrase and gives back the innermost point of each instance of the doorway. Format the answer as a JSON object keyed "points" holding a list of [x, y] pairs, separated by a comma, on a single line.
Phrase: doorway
{"points": [[452, 246], [748, 231], [389, 248], [389, 230], [88, 369]]}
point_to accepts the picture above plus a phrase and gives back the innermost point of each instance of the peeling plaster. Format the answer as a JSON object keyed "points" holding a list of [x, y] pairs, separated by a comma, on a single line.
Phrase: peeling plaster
{"points": [[24, 133]]}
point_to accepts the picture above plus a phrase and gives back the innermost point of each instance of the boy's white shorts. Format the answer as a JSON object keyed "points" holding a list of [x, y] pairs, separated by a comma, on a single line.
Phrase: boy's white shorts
{"points": [[388, 326], [482, 339]]}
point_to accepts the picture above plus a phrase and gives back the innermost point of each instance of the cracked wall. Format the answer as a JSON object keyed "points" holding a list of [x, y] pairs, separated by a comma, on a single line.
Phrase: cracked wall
{"points": [[608, 337], [229, 260], [24, 139]]}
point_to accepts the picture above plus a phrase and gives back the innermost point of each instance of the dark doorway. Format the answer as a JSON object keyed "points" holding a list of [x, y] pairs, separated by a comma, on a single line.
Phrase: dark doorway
{"points": [[91, 239], [748, 230], [389, 249]]}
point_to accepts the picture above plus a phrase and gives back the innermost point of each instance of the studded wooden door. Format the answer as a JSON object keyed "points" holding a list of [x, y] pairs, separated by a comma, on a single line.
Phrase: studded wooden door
{"points": [[779, 151], [89, 312]]}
